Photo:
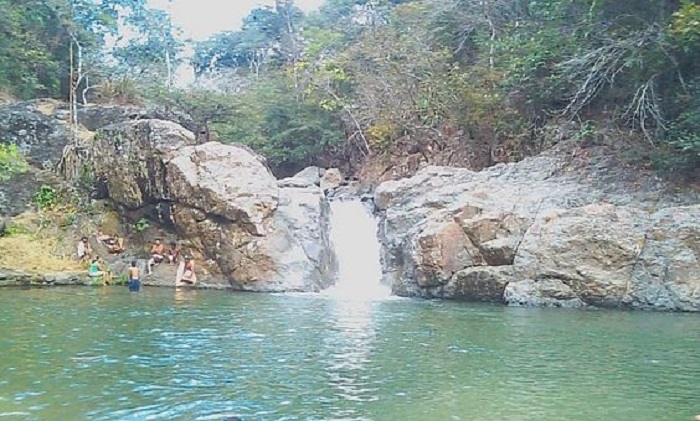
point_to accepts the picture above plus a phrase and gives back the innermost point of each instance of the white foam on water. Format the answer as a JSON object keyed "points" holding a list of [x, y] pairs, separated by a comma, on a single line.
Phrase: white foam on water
{"points": [[354, 238]]}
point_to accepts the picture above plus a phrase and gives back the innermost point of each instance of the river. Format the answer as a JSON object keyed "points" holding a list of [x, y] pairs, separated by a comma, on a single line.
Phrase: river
{"points": [[105, 354]]}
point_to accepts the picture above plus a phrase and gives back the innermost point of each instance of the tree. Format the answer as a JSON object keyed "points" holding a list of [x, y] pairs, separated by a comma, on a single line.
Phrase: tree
{"points": [[153, 53], [32, 48]]}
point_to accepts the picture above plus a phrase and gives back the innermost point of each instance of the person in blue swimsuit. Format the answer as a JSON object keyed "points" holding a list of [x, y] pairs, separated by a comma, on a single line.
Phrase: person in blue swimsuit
{"points": [[134, 279]]}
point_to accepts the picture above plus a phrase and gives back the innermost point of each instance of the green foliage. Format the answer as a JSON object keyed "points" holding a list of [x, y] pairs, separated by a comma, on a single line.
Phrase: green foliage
{"points": [[11, 161], [289, 132], [685, 27], [16, 229], [684, 131], [87, 176], [380, 74], [68, 219], [30, 49], [297, 133], [120, 280], [46, 197], [141, 225], [267, 39], [37, 35]]}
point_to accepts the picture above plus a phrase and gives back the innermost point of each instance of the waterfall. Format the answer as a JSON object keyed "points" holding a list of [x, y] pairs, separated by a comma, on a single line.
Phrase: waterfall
{"points": [[354, 237]]}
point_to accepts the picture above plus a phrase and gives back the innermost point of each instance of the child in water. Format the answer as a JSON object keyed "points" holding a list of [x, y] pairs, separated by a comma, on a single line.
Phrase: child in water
{"points": [[134, 282]]}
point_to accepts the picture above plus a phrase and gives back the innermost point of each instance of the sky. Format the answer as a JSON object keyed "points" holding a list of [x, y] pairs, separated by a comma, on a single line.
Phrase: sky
{"points": [[202, 18]]}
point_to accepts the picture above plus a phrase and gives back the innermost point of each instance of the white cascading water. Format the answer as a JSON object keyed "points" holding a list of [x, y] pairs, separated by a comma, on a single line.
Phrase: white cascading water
{"points": [[354, 238]]}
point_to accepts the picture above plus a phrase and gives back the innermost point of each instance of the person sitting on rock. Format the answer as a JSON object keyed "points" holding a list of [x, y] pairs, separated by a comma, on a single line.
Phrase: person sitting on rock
{"points": [[84, 250], [114, 244], [96, 272], [157, 255], [173, 253], [187, 269]]}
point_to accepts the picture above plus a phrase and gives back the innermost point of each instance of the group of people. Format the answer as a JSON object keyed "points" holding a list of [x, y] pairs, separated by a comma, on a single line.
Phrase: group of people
{"points": [[86, 254], [159, 254], [172, 255], [113, 244]]}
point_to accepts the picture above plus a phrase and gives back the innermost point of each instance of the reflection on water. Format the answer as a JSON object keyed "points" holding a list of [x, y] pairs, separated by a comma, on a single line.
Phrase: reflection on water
{"points": [[205, 355], [350, 343], [185, 294], [351, 337]]}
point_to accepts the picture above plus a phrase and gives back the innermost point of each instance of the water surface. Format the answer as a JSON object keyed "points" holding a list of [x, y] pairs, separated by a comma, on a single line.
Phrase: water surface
{"points": [[105, 354]]}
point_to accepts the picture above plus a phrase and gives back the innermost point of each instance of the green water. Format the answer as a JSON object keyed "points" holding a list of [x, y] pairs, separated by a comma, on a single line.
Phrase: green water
{"points": [[103, 354]]}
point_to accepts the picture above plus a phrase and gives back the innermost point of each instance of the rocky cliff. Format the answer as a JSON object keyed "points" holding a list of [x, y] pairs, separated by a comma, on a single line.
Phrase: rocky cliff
{"points": [[542, 233], [263, 234], [40, 129]]}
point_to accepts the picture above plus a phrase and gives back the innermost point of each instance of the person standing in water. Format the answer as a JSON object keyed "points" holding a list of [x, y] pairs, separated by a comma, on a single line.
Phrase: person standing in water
{"points": [[134, 279]]}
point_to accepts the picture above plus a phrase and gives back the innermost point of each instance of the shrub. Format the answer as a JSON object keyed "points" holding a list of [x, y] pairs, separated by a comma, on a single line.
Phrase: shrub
{"points": [[11, 161], [141, 225], [46, 197]]}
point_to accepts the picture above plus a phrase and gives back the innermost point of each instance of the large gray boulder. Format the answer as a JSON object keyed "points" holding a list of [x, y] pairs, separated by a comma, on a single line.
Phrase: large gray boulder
{"points": [[310, 174], [34, 127], [534, 234], [263, 235], [129, 158], [40, 128], [97, 116]]}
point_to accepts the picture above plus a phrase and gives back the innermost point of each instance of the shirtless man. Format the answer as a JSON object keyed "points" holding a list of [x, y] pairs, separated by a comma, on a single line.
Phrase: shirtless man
{"points": [[134, 280], [157, 255], [173, 253]]}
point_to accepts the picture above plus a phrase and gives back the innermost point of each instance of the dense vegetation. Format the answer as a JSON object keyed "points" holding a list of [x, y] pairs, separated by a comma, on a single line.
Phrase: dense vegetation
{"points": [[366, 76], [46, 44]]}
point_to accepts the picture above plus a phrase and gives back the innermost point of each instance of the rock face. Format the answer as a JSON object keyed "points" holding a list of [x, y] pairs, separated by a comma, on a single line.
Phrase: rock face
{"points": [[35, 129], [94, 117], [264, 235], [332, 179], [533, 234], [129, 158], [40, 129]]}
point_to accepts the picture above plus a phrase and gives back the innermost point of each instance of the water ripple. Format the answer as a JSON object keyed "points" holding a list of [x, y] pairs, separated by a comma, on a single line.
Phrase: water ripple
{"points": [[208, 355]]}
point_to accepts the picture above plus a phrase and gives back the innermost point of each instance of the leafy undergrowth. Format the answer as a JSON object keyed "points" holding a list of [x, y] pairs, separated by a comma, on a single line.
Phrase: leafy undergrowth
{"points": [[31, 254]]}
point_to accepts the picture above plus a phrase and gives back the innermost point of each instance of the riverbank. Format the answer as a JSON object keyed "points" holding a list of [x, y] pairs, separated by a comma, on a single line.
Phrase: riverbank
{"points": [[15, 278]]}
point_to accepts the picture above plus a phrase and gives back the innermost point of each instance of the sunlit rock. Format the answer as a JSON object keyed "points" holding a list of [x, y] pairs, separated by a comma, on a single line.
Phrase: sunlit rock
{"points": [[565, 240], [262, 234]]}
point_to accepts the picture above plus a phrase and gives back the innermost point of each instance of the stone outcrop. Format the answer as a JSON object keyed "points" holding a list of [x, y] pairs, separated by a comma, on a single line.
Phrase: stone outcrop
{"points": [[94, 117], [129, 159], [311, 174], [38, 128], [263, 235], [19, 278], [536, 234], [331, 179]]}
